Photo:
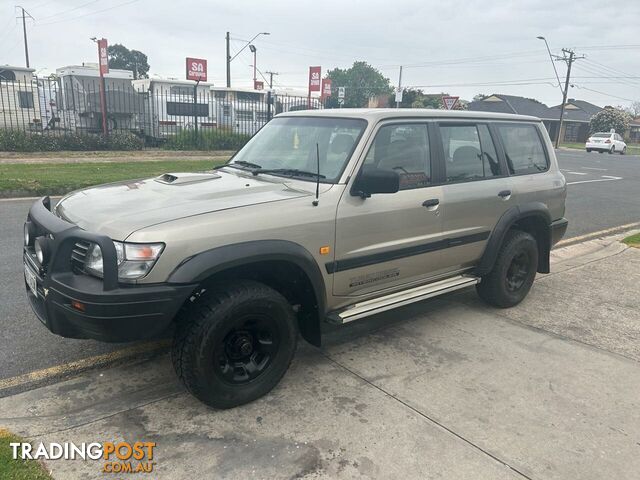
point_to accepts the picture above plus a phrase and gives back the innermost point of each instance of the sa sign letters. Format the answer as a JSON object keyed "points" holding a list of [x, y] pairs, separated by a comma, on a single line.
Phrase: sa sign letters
{"points": [[197, 69]]}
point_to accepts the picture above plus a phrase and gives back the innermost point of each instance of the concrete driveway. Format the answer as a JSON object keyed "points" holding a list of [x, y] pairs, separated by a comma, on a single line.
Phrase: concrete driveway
{"points": [[442, 389]]}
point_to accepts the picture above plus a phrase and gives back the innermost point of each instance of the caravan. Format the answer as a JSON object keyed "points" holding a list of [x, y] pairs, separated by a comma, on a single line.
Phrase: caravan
{"points": [[19, 99], [170, 107], [78, 99]]}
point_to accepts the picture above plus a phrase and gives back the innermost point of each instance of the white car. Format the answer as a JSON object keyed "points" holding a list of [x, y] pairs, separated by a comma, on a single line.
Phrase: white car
{"points": [[606, 142]]}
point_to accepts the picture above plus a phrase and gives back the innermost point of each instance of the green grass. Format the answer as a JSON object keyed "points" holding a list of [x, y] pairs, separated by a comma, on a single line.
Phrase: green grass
{"points": [[631, 149], [18, 469], [633, 240], [18, 179]]}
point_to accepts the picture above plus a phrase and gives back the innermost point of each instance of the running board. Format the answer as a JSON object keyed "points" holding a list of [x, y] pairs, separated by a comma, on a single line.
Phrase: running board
{"points": [[404, 297]]}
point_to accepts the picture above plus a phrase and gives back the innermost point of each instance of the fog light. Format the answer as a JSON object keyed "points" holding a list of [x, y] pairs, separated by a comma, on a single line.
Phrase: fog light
{"points": [[41, 249], [29, 233]]}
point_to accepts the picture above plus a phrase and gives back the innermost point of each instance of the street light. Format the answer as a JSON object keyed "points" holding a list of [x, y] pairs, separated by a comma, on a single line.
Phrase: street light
{"points": [[254, 50], [230, 58], [552, 63], [564, 93]]}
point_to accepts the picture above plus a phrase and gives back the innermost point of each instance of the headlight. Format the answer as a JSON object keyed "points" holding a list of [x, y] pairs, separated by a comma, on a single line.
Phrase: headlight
{"points": [[135, 260]]}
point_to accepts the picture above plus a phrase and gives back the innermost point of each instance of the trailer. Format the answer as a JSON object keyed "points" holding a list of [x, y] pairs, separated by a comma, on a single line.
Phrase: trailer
{"points": [[170, 106], [241, 110], [79, 103], [19, 105]]}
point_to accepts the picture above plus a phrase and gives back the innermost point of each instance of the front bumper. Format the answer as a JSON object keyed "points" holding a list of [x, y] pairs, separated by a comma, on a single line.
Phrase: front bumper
{"points": [[80, 306]]}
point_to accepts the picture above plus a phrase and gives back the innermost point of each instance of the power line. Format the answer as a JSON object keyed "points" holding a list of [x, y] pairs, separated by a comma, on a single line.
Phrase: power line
{"points": [[605, 93], [69, 10], [129, 2]]}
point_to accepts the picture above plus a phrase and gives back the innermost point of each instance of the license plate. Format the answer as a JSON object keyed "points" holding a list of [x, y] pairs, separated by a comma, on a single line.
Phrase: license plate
{"points": [[30, 277]]}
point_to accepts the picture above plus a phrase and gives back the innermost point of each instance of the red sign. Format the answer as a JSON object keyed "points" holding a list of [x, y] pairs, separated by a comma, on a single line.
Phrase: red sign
{"points": [[196, 69], [314, 79], [326, 87], [258, 85], [449, 102], [103, 56]]}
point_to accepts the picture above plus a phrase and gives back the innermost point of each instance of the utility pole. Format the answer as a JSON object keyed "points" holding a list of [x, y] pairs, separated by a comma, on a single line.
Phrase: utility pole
{"points": [[24, 16], [271, 74], [569, 59], [398, 92], [228, 62]]}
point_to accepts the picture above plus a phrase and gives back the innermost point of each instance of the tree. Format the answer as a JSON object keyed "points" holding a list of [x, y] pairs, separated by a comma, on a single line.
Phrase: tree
{"points": [[361, 82], [610, 118], [123, 58], [633, 109]]}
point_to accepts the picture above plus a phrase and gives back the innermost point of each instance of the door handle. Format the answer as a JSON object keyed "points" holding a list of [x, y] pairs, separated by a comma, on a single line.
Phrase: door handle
{"points": [[433, 202], [504, 193]]}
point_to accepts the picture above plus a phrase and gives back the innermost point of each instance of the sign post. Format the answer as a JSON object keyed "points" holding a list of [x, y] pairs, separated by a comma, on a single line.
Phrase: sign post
{"points": [[197, 71], [314, 82], [341, 96], [449, 102], [103, 62], [326, 88]]}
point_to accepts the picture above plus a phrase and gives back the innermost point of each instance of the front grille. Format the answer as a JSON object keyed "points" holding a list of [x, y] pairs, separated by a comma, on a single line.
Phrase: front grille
{"points": [[78, 256]]}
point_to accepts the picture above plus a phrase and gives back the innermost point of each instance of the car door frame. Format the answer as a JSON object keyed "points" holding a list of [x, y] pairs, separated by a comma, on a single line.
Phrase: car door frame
{"points": [[505, 176], [436, 175]]}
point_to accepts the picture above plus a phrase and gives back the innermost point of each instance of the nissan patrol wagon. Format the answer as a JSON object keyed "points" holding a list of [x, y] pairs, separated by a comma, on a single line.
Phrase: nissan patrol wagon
{"points": [[324, 216]]}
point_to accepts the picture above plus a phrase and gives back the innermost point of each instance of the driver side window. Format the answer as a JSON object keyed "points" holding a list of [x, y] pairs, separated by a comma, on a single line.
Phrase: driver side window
{"points": [[403, 148]]}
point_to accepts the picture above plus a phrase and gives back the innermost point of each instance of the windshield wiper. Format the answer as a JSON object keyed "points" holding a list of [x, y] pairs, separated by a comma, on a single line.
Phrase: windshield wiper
{"points": [[289, 171], [243, 163]]}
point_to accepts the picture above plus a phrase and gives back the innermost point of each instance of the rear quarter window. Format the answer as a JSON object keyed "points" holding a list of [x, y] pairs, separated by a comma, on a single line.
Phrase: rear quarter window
{"points": [[523, 148]]}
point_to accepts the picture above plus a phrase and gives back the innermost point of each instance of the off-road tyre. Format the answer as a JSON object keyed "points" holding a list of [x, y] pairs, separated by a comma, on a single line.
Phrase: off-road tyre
{"points": [[207, 323], [498, 287]]}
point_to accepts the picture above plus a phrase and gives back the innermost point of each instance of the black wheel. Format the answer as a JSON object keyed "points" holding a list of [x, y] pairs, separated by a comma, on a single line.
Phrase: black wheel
{"points": [[588, 150], [513, 273], [613, 150], [234, 343], [623, 151]]}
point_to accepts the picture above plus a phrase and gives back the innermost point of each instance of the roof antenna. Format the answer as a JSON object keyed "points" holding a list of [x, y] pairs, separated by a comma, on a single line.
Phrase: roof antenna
{"points": [[315, 202]]}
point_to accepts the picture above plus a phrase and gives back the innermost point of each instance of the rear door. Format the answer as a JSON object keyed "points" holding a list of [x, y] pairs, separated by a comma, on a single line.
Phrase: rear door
{"points": [[388, 240], [529, 164], [476, 190]]}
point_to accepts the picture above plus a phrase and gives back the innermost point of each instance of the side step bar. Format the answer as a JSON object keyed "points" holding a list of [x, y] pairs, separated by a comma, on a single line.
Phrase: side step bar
{"points": [[404, 297]]}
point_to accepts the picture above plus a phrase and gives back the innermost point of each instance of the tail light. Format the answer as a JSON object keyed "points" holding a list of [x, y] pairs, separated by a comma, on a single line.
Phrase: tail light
{"points": [[608, 140]]}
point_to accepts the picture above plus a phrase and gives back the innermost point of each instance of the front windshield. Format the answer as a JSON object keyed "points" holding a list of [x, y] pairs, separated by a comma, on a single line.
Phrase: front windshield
{"points": [[289, 143]]}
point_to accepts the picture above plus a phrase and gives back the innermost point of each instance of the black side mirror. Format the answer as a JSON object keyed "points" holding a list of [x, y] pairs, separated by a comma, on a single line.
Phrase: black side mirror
{"points": [[372, 180]]}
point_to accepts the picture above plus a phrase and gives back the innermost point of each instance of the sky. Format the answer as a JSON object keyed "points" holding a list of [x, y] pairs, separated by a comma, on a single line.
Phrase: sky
{"points": [[459, 47]]}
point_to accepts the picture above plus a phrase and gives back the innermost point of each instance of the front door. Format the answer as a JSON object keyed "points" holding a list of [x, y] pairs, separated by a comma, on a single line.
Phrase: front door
{"points": [[388, 240]]}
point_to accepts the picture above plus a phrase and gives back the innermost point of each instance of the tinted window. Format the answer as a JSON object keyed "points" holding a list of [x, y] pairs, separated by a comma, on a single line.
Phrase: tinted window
{"points": [[523, 149], [25, 99], [469, 152], [403, 148]]}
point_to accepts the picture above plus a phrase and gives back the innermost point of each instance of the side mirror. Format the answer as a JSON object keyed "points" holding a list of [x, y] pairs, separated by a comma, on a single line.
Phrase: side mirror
{"points": [[372, 180]]}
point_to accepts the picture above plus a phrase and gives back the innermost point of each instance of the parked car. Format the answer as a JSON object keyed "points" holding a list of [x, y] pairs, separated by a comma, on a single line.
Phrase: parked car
{"points": [[323, 217], [610, 142]]}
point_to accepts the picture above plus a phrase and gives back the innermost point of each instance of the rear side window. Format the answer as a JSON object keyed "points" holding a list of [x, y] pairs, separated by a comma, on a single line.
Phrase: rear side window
{"points": [[469, 153], [523, 149], [403, 148]]}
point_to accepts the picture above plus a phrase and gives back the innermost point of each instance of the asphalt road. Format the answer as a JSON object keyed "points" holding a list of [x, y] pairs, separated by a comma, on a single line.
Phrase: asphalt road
{"points": [[603, 193]]}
